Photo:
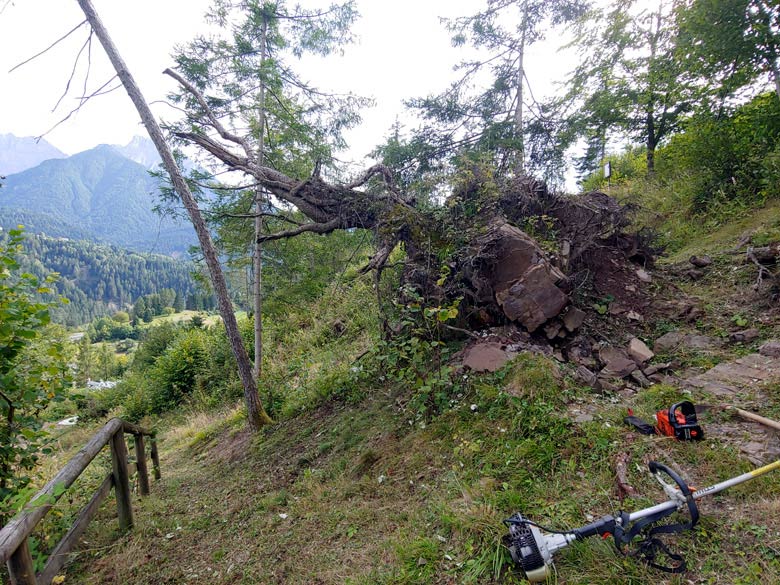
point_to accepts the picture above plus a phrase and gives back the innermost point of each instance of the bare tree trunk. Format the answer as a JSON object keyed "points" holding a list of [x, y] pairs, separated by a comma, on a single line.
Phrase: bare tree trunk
{"points": [[651, 139], [766, 20], [518, 117], [256, 415]]}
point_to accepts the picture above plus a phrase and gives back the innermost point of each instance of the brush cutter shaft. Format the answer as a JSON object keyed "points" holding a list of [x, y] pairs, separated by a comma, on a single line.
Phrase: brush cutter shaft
{"points": [[698, 494]]}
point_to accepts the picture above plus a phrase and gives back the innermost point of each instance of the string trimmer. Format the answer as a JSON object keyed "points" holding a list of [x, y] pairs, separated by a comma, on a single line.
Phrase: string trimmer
{"points": [[532, 546]]}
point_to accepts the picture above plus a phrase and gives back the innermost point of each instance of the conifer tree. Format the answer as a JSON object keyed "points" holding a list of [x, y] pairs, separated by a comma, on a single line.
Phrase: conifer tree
{"points": [[280, 120]]}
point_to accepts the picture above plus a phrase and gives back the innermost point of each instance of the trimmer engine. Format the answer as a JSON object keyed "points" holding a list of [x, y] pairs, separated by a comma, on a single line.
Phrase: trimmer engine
{"points": [[523, 542]]}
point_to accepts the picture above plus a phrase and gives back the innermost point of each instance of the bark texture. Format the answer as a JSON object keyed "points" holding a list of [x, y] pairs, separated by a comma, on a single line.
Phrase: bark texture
{"points": [[256, 415]]}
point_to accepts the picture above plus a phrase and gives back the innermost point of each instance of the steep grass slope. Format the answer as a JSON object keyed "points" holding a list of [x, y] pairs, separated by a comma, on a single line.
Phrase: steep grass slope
{"points": [[359, 493]]}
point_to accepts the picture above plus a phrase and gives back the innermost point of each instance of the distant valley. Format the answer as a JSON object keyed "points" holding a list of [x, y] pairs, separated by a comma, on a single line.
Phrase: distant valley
{"points": [[90, 217]]}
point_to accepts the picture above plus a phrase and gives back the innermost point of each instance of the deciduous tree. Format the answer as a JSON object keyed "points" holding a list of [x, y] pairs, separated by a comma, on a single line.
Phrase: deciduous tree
{"points": [[630, 82], [732, 43]]}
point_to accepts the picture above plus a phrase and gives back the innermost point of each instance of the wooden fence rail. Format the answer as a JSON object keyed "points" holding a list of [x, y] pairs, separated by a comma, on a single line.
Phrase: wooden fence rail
{"points": [[14, 545]]}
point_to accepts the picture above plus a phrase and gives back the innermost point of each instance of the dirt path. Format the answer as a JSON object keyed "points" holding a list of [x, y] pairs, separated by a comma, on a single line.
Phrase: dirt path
{"points": [[742, 383]]}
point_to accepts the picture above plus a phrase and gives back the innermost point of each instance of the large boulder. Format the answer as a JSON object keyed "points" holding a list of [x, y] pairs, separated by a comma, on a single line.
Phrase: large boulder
{"points": [[528, 288]]}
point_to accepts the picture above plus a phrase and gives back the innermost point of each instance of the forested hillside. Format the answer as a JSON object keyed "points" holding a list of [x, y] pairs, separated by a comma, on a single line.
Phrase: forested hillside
{"points": [[100, 279]]}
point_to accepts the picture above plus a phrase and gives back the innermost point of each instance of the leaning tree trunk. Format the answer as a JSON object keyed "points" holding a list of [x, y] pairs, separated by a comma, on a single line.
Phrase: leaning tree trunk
{"points": [[256, 415]]}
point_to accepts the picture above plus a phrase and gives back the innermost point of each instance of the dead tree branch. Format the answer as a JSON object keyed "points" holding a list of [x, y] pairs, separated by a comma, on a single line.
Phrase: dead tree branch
{"points": [[83, 100], [215, 123], [621, 473], [751, 255], [50, 47], [73, 71]]}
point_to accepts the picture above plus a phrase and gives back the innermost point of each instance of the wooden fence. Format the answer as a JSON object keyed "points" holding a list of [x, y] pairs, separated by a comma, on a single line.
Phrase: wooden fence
{"points": [[14, 545]]}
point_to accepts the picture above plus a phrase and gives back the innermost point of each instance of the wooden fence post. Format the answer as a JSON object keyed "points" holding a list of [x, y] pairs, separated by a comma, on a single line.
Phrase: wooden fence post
{"points": [[140, 457], [121, 480], [20, 566], [155, 457]]}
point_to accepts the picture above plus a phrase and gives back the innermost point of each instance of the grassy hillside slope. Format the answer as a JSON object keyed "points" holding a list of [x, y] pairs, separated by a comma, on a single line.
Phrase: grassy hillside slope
{"points": [[359, 494], [353, 485]]}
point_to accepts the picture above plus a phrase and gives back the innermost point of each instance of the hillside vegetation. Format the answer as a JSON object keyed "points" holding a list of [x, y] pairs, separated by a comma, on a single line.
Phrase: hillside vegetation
{"points": [[98, 279], [373, 476]]}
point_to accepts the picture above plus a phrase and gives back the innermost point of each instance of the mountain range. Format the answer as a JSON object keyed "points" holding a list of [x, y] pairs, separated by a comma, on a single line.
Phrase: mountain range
{"points": [[19, 154], [104, 194]]}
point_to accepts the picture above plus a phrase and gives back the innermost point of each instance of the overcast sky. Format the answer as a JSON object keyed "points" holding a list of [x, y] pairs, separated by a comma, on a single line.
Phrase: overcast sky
{"points": [[402, 51]]}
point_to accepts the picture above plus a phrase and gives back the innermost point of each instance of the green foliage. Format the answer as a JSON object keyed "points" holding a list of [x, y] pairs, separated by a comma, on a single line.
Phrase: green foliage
{"points": [[109, 329], [729, 158], [154, 342], [178, 370], [121, 317], [299, 270], [488, 121], [85, 361], [716, 171], [631, 82], [245, 72], [628, 166], [731, 43], [149, 306], [33, 372], [416, 358]]}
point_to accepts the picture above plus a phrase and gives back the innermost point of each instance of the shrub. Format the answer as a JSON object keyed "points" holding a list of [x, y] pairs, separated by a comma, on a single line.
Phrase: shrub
{"points": [[33, 372]]}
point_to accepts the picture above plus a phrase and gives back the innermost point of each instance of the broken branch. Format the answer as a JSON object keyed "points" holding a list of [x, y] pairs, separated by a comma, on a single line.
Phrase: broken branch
{"points": [[316, 228], [50, 47], [621, 472]]}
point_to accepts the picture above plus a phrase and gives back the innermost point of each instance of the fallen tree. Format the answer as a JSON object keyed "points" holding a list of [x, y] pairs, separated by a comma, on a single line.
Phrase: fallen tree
{"points": [[508, 249]]}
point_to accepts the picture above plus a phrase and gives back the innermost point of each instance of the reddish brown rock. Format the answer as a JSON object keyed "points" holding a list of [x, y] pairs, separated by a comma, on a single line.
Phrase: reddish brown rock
{"points": [[532, 299], [486, 357], [573, 319], [616, 362], [770, 349], [746, 336], [526, 285], [639, 351], [668, 341], [700, 261], [552, 329]]}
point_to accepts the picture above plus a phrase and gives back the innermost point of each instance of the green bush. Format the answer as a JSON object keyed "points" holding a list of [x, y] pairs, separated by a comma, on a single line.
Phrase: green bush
{"points": [[175, 373], [33, 372], [734, 157]]}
